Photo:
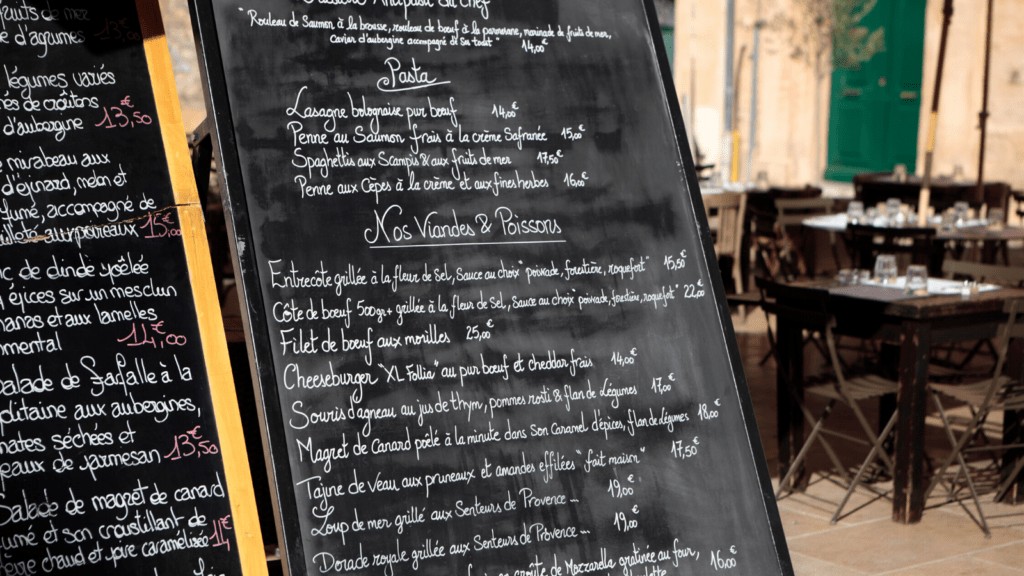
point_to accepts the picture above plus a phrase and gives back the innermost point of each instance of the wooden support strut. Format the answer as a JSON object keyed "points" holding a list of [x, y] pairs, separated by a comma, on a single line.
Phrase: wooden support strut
{"points": [[925, 197], [983, 115]]}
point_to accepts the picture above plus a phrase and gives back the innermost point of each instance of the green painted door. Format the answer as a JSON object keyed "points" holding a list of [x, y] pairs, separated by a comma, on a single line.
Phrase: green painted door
{"points": [[668, 37], [875, 105]]}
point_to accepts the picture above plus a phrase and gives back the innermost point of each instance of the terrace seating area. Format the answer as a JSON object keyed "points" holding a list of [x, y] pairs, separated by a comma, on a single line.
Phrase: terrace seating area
{"points": [[901, 491]]}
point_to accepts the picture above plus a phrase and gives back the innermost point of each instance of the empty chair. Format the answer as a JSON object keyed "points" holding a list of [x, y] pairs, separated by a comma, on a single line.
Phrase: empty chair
{"points": [[791, 214], [726, 212], [915, 245], [1012, 276], [876, 187], [867, 180], [756, 299], [994, 393], [761, 215], [835, 388], [775, 221], [996, 195]]}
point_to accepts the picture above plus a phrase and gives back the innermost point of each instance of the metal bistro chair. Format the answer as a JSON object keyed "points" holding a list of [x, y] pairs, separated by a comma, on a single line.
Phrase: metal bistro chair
{"points": [[791, 214], [758, 298], [725, 212], [778, 254], [1010, 276], [916, 245], [994, 393], [774, 228], [876, 187], [835, 388]]}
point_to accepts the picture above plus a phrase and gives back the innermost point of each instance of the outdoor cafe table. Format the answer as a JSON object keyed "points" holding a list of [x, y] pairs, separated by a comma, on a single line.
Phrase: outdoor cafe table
{"points": [[914, 325], [974, 231], [991, 238]]}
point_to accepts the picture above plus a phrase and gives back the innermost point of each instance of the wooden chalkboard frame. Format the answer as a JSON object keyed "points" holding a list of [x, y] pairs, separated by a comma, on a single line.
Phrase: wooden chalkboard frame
{"points": [[252, 556], [255, 317], [253, 312]]}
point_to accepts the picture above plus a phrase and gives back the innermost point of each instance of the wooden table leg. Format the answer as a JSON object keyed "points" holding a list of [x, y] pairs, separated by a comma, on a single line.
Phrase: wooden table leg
{"points": [[909, 481], [789, 373]]}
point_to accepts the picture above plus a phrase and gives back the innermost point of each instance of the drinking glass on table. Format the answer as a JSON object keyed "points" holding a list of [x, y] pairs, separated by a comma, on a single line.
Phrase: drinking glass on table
{"points": [[899, 172], [845, 277], [872, 218], [892, 207], [960, 210], [948, 220], [885, 268], [917, 280], [996, 218], [855, 212]]}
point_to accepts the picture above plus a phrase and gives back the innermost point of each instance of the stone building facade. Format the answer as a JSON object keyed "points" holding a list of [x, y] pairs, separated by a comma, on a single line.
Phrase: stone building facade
{"points": [[795, 92]]}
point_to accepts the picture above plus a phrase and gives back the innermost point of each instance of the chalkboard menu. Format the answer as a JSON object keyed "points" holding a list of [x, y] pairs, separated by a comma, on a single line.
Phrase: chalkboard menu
{"points": [[488, 335], [120, 448]]}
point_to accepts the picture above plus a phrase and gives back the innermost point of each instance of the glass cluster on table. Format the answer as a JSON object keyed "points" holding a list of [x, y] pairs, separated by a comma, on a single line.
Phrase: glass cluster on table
{"points": [[914, 281], [896, 214], [892, 213]]}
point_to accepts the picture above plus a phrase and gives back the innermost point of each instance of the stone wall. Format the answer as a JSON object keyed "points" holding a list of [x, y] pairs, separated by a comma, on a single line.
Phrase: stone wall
{"points": [[958, 136], [178, 26], [793, 101]]}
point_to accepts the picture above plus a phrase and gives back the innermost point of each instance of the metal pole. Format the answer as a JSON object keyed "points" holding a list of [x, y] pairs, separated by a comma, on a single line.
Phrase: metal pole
{"points": [[929, 155], [983, 115], [754, 64], [730, 89]]}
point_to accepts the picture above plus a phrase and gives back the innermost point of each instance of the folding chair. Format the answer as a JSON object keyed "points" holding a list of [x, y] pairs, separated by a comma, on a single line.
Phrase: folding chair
{"points": [[876, 187], [757, 299], [994, 393], [791, 214], [836, 388], [726, 213], [866, 242], [1010, 276], [773, 216]]}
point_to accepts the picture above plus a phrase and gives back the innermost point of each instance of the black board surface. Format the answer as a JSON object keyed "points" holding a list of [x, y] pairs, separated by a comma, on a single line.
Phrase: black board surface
{"points": [[111, 459], [487, 331]]}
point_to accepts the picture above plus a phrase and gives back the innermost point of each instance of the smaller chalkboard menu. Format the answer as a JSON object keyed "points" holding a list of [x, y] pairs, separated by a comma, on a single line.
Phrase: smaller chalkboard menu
{"points": [[120, 442], [488, 332]]}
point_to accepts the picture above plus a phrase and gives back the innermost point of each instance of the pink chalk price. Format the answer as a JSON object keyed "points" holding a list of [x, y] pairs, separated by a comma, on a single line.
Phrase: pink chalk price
{"points": [[160, 225], [152, 334], [191, 444], [123, 115]]}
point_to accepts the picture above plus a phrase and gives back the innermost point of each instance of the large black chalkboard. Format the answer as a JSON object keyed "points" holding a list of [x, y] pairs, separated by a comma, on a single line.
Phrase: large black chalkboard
{"points": [[487, 331], [120, 447]]}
